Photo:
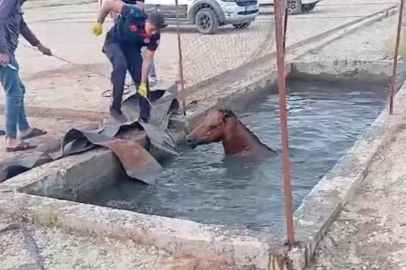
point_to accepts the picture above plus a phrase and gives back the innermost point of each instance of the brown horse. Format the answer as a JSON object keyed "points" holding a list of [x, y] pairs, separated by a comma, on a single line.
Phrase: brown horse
{"points": [[238, 140]]}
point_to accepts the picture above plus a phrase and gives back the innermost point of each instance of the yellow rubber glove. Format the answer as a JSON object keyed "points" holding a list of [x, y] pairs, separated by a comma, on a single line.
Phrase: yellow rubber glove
{"points": [[97, 29], [142, 90]]}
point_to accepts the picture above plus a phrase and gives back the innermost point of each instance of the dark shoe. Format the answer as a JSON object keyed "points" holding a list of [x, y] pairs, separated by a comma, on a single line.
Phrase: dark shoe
{"points": [[118, 115], [21, 147], [2, 133], [35, 132]]}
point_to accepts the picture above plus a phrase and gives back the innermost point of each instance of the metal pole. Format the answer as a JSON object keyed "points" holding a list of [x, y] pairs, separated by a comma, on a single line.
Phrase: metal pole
{"points": [[287, 186], [181, 78], [285, 27], [395, 57]]}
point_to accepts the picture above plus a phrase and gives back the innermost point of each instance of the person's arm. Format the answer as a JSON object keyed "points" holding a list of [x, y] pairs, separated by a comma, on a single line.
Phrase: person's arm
{"points": [[6, 8], [107, 7], [32, 39], [146, 65], [148, 58], [28, 34]]}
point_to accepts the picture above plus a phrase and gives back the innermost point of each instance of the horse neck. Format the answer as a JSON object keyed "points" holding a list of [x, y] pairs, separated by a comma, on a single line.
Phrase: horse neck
{"points": [[238, 139]]}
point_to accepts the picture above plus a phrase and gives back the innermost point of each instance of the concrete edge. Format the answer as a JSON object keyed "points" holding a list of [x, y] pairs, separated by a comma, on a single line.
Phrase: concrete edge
{"points": [[326, 200], [180, 237], [342, 68], [297, 52]]}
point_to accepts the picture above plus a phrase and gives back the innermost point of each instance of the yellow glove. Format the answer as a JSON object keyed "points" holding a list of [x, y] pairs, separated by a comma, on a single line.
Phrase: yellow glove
{"points": [[97, 29], [142, 90]]}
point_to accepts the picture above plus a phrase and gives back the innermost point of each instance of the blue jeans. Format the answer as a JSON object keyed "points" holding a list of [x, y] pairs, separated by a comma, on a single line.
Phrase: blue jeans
{"points": [[14, 109]]}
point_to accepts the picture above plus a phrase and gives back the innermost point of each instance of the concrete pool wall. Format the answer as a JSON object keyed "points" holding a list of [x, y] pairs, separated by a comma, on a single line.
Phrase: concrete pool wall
{"points": [[28, 195]]}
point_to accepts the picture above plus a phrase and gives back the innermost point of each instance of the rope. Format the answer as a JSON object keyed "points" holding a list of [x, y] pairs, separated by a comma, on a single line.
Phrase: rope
{"points": [[106, 93]]}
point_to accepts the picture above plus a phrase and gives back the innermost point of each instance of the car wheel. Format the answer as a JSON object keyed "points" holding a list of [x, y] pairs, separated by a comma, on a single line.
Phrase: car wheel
{"points": [[308, 7], [241, 25], [294, 6], [206, 21]]}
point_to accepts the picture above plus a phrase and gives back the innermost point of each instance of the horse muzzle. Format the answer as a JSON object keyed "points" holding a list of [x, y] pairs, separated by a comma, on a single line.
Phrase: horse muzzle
{"points": [[192, 141]]}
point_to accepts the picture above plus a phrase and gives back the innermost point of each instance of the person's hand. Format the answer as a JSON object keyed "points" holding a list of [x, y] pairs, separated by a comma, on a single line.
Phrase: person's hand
{"points": [[44, 50], [97, 29], [142, 90], [4, 59]]}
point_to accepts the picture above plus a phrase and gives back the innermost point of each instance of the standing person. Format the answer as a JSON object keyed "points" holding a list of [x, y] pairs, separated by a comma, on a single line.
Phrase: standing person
{"points": [[12, 24], [132, 31]]}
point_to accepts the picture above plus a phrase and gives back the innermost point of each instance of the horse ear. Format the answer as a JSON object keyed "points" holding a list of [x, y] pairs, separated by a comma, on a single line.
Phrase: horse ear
{"points": [[227, 114]]}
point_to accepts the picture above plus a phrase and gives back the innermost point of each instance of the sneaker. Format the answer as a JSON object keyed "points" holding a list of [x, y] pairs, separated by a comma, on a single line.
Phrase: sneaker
{"points": [[117, 115]]}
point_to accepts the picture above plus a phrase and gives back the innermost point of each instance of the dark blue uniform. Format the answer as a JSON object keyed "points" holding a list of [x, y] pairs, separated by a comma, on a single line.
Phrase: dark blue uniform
{"points": [[123, 48]]}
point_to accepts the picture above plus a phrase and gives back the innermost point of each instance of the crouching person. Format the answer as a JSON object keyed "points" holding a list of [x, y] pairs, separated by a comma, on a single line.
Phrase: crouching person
{"points": [[133, 30]]}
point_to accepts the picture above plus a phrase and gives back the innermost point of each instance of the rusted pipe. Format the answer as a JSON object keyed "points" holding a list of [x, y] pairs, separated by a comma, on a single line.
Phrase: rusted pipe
{"points": [[395, 57], [287, 185], [285, 27], [181, 80]]}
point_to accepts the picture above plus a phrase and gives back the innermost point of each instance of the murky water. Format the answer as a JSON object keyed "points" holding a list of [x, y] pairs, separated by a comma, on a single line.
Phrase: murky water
{"points": [[324, 121]]}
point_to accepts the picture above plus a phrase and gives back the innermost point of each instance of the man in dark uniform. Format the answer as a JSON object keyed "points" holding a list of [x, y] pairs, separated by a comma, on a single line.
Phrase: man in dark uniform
{"points": [[132, 31]]}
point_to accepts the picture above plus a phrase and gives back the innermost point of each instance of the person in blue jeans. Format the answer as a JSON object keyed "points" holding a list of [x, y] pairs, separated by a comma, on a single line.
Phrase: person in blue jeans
{"points": [[12, 24]]}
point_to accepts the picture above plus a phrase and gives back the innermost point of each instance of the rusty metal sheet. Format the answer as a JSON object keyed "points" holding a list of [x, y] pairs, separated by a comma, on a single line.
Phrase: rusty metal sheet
{"points": [[137, 162]]}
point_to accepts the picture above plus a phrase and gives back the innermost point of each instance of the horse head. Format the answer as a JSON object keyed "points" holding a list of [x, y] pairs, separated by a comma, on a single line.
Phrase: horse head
{"points": [[212, 129]]}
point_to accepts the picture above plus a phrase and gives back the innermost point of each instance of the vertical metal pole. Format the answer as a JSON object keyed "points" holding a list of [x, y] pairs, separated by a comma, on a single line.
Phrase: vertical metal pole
{"points": [[287, 186], [395, 57], [285, 30], [181, 78], [285, 27]]}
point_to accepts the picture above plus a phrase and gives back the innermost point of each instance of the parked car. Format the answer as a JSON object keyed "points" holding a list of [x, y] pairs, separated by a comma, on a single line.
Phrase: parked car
{"points": [[207, 15], [294, 6]]}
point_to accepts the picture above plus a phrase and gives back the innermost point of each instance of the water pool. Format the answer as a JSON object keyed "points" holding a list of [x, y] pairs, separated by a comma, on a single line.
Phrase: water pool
{"points": [[325, 119]]}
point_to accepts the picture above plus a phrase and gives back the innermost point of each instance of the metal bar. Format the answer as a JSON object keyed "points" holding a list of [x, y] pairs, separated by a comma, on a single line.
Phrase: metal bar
{"points": [[395, 57], [287, 186], [181, 77], [285, 27]]}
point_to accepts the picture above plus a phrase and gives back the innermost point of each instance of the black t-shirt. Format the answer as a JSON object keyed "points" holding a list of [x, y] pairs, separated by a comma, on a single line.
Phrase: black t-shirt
{"points": [[129, 30]]}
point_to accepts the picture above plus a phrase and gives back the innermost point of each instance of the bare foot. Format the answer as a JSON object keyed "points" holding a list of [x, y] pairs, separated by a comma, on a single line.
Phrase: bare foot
{"points": [[11, 143], [14, 145]]}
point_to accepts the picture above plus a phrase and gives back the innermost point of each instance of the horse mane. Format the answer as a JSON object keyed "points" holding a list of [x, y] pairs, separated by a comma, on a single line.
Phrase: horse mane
{"points": [[230, 113]]}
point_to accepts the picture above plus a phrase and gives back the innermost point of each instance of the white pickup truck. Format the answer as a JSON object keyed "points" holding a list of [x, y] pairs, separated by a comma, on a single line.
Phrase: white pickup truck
{"points": [[207, 15], [294, 6]]}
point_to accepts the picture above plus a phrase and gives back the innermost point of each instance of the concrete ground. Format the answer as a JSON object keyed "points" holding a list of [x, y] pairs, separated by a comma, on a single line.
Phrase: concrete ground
{"points": [[62, 95], [55, 249], [370, 233]]}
